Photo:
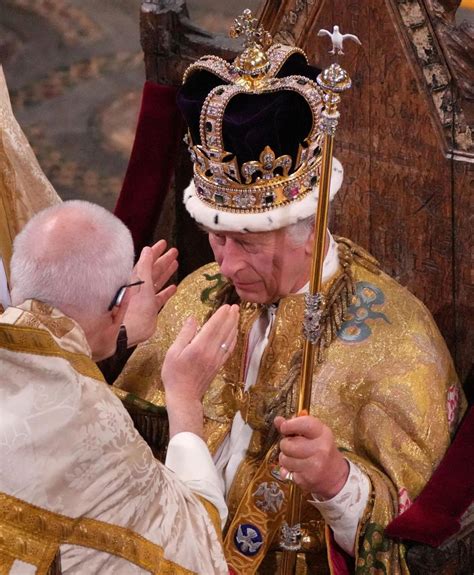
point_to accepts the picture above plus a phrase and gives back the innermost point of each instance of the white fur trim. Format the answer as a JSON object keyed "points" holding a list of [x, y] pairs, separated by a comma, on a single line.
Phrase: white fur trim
{"points": [[275, 219]]}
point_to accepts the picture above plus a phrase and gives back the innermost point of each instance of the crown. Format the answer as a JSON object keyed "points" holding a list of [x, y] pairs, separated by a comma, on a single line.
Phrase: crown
{"points": [[254, 134]]}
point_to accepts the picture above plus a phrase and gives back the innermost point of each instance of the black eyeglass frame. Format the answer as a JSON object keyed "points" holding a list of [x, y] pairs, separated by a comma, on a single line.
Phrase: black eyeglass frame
{"points": [[118, 297]]}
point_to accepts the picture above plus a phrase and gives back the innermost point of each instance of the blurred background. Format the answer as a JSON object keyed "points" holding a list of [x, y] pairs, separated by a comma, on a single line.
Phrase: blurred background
{"points": [[75, 73]]}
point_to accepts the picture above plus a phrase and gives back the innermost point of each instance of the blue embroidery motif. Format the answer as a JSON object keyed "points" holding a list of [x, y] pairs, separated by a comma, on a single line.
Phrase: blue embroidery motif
{"points": [[355, 328], [248, 539]]}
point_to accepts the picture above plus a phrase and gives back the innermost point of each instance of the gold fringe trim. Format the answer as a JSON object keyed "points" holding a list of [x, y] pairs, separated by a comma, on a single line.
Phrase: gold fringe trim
{"points": [[352, 252]]}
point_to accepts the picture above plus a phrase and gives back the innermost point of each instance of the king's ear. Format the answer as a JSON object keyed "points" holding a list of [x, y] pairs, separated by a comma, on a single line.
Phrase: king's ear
{"points": [[308, 247]]}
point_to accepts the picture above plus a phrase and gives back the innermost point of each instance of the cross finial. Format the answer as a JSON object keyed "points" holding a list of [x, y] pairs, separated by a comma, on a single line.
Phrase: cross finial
{"points": [[246, 25]]}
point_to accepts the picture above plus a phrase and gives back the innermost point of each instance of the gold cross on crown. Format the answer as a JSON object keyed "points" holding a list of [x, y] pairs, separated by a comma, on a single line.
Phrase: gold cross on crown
{"points": [[246, 25]]}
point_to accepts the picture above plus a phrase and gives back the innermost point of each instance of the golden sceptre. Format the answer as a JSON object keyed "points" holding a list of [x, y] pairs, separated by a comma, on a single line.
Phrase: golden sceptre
{"points": [[332, 81]]}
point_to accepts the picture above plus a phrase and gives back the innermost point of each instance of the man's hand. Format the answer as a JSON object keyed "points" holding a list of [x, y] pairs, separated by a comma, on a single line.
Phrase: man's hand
{"points": [[192, 362], [309, 451], [155, 267]]}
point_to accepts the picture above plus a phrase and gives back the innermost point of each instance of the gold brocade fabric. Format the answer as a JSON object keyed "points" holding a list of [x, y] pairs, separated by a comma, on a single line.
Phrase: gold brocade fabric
{"points": [[385, 385]]}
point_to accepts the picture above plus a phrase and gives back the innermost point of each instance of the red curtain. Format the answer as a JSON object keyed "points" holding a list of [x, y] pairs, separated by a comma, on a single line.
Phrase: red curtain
{"points": [[151, 166]]}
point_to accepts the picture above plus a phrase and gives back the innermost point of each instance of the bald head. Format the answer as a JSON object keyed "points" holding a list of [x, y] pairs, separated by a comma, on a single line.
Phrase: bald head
{"points": [[74, 256], [60, 232]]}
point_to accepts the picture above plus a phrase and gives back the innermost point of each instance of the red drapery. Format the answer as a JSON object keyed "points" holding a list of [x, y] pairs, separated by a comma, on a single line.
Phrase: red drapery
{"points": [[151, 166]]}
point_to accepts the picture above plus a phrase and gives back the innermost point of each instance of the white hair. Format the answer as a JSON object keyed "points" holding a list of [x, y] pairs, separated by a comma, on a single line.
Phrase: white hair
{"points": [[299, 232], [73, 256]]}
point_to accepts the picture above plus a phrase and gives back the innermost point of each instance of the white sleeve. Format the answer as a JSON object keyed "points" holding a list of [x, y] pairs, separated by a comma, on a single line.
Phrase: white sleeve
{"points": [[189, 457], [344, 511]]}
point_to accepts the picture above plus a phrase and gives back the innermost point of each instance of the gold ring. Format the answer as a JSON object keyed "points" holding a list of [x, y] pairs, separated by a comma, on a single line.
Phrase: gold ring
{"points": [[289, 477]]}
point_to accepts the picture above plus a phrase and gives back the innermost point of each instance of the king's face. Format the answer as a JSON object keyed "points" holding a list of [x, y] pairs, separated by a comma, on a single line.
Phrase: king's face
{"points": [[263, 266]]}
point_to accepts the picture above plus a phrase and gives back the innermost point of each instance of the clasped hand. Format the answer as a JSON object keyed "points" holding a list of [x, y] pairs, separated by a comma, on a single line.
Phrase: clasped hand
{"points": [[309, 452]]}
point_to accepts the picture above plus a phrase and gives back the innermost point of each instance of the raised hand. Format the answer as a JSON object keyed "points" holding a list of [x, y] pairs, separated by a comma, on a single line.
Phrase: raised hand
{"points": [[309, 452], [155, 267], [192, 362]]}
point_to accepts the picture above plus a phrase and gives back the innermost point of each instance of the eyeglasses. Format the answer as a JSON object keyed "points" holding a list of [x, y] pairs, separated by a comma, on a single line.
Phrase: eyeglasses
{"points": [[118, 297]]}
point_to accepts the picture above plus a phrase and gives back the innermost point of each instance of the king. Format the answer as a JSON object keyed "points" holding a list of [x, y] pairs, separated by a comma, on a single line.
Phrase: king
{"points": [[385, 399]]}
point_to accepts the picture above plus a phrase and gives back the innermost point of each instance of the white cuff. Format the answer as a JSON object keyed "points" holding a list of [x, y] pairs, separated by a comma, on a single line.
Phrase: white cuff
{"points": [[344, 511], [189, 458]]}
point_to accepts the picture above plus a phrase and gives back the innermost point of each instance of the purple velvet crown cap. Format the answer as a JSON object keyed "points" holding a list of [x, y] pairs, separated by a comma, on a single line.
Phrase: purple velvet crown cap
{"points": [[280, 119]]}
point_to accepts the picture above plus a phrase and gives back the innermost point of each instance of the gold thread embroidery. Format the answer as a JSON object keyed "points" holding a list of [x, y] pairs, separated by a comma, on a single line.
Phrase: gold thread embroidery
{"points": [[32, 548], [6, 563], [249, 512], [58, 529], [58, 326], [22, 339]]}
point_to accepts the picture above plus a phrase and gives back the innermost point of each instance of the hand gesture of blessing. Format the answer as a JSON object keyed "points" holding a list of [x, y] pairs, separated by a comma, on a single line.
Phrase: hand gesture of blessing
{"points": [[192, 362], [155, 267]]}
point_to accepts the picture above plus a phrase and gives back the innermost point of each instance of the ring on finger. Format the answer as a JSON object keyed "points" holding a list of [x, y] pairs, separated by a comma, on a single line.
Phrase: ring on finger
{"points": [[224, 347], [289, 477]]}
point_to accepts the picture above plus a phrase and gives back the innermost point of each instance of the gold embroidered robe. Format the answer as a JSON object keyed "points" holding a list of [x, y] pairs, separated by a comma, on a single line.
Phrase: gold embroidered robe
{"points": [[385, 385]]}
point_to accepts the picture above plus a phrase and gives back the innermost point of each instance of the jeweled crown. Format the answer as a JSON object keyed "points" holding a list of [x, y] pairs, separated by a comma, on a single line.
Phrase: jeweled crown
{"points": [[267, 83]]}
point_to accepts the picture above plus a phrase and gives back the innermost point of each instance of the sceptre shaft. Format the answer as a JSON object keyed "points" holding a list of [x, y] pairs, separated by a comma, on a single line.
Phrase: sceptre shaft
{"points": [[332, 81]]}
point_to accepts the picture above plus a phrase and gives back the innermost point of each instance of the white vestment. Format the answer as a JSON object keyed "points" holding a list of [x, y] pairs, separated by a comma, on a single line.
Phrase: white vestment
{"points": [[68, 445]]}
